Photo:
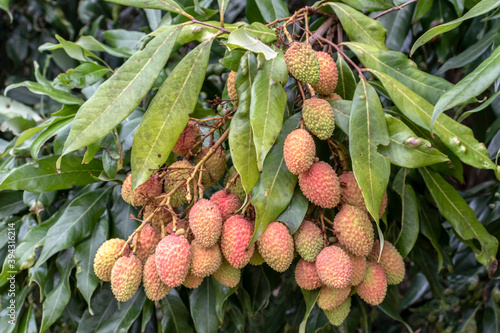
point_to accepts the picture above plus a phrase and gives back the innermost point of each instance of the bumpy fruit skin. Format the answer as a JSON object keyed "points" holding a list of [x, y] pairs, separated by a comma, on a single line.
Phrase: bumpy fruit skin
{"points": [[153, 286], [306, 275], [334, 267], [330, 298], [374, 285], [215, 166], [390, 261], [318, 117], [337, 315], [173, 257], [143, 193], [181, 224], [179, 171], [105, 257], [308, 240], [146, 244], [227, 275], [276, 246], [320, 185], [358, 269], [354, 230], [204, 261], [163, 216], [192, 281], [328, 74], [256, 259], [205, 222], [231, 88], [303, 62], [333, 97], [227, 201], [236, 235], [235, 186], [189, 140], [299, 151], [126, 277]]}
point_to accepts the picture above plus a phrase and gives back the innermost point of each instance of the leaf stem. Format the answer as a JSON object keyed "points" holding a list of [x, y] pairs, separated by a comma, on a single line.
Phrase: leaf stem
{"points": [[211, 26], [394, 8]]}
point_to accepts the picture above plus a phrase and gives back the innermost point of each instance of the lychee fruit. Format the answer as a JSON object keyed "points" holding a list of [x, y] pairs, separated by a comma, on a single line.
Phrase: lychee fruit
{"points": [[144, 193], [205, 222], [231, 88], [236, 235], [390, 261], [227, 201], [192, 281], [173, 257], [328, 74], [299, 151], [235, 186], [337, 315], [306, 275], [214, 167], [318, 117], [333, 97], [227, 275], [181, 224], [276, 246], [330, 298], [162, 216], [354, 230], [303, 63], [179, 171], [334, 267], [320, 185], [153, 286], [204, 260], [126, 277], [308, 240], [189, 140], [105, 257], [374, 285], [146, 243], [358, 268], [256, 259]]}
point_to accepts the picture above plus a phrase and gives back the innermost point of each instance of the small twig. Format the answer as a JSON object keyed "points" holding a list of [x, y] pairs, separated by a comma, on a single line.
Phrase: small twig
{"points": [[394, 8], [321, 30], [301, 90], [311, 90], [232, 180], [211, 26], [344, 56]]}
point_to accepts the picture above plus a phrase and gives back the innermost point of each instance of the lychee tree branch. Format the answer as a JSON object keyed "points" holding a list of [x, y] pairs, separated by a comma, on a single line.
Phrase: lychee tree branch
{"points": [[353, 64]]}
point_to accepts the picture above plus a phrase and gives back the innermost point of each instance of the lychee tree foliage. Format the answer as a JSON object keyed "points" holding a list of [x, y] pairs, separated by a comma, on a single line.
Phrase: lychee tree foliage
{"points": [[266, 176]]}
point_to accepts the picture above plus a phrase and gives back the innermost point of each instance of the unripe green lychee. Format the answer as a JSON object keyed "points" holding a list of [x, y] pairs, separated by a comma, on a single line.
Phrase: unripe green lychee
{"points": [[105, 257], [235, 186], [162, 216], [256, 259], [337, 315], [276, 246], [144, 193], [146, 243], [173, 258], [231, 88], [236, 235], [374, 285], [178, 171], [328, 74], [318, 117], [320, 185], [332, 97], [306, 275], [227, 201], [153, 286], [204, 261], [308, 240], [354, 230], [192, 281], [126, 277], [215, 166], [227, 275], [334, 267], [390, 261], [205, 222], [189, 140], [330, 298], [302, 62], [358, 268], [299, 151]]}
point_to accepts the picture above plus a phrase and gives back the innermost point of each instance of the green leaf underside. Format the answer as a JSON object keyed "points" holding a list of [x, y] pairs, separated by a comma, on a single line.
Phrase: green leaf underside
{"points": [[342, 114], [368, 130], [168, 114], [240, 39], [462, 218], [116, 98], [57, 95]]}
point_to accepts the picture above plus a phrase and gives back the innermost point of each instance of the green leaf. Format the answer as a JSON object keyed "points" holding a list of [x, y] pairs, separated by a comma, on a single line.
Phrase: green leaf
{"points": [[258, 30], [295, 212], [52, 130], [406, 149], [19, 298], [58, 298], [470, 86], [32, 131], [409, 214], [390, 306], [265, 11], [232, 59], [76, 223], [168, 113], [369, 5], [256, 284], [176, 317], [148, 311], [267, 106], [222, 7], [462, 218], [104, 304], [11, 202], [240, 136], [74, 50], [368, 130], [222, 293], [398, 66], [4, 4], [116, 98], [310, 297], [342, 114], [168, 5], [276, 185], [57, 95], [480, 8], [122, 225], [28, 322], [10, 108], [86, 280], [359, 27], [423, 6], [202, 307], [430, 227], [480, 107], [82, 76], [346, 82], [240, 39]]}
